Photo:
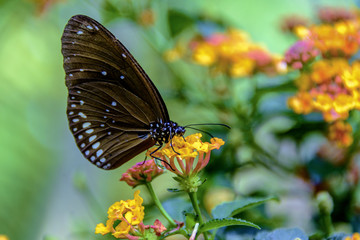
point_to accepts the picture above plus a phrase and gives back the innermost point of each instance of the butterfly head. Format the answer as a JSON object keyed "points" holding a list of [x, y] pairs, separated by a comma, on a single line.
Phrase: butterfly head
{"points": [[162, 132]]}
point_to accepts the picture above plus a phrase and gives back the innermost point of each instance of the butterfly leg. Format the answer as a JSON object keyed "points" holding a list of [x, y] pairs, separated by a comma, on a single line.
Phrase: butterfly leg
{"points": [[171, 143], [157, 149]]}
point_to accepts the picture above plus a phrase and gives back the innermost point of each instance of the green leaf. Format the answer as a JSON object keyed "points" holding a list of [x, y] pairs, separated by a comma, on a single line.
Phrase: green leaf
{"points": [[230, 209], [178, 21], [224, 222]]}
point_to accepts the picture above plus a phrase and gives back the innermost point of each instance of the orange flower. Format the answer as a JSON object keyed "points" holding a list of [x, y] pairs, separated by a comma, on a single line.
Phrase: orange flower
{"points": [[340, 39], [301, 103], [341, 133], [180, 157], [355, 236], [233, 53], [122, 216]]}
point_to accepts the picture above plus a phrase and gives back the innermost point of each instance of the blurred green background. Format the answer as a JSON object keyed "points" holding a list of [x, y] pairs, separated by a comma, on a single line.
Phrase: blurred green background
{"points": [[43, 176]]}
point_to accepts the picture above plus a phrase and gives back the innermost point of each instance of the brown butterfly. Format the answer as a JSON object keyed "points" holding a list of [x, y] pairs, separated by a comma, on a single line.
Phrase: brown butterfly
{"points": [[114, 110]]}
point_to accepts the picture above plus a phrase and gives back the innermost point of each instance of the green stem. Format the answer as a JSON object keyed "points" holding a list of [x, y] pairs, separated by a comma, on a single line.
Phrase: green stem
{"points": [[194, 201], [327, 224], [159, 205]]}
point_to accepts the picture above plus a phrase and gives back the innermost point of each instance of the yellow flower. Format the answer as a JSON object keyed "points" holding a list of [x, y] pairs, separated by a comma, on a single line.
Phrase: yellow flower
{"points": [[338, 40], [242, 67], [355, 236], [204, 54], [182, 160], [3, 237], [323, 102], [343, 103], [351, 77], [122, 216], [301, 103], [233, 53]]}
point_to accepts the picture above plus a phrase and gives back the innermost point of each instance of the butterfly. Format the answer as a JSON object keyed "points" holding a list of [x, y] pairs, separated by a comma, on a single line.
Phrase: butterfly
{"points": [[114, 110]]}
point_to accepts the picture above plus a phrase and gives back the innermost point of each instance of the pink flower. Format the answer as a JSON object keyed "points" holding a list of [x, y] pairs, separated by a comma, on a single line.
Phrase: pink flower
{"points": [[158, 227], [141, 173], [300, 53]]}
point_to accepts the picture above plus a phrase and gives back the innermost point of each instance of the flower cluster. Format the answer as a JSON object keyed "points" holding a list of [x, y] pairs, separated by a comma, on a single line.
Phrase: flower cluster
{"points": [[340, 39], [341, 133], [335, 14], [141, 173], [125, 220], [302, 52], [233, 54], [179, 154], [355, 236], [327, 82]]}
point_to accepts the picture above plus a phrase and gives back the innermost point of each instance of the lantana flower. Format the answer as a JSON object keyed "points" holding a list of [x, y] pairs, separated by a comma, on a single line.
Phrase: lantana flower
{"points": [[122, 217], [340, 39], [355, 236], [141, 173], [331, 87], [186, 157], [341, 133], [234, 54], [301, 53], [335, 14], [125, 221]]}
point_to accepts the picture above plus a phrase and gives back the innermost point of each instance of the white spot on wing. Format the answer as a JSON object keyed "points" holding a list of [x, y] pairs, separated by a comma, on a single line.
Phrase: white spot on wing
{"points": [[96, 28], [71, 113], [81, 70], [73, 105], [92, 138], [96, 145], [87, 152], [89, 131], [89, 27], [123, 55], [113, 103], [99, 152], [74, 129], [81, 102], [80, 137], [80, 32], [102, 160], [104, 73], [75, 120], [85, 125], [82, 115], [102, 125], [82, 145], [107, 110], [122, 77], [70, 75], [92, 158], [78, 91]]}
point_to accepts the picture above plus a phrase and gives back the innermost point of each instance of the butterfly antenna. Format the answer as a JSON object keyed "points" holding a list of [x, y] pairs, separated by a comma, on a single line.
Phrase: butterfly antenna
{"points": [[201, 131], [214, 124]]}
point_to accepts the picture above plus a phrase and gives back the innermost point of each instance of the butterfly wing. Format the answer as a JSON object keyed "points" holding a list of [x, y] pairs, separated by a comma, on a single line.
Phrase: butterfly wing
{"points": [[111, 100]]}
